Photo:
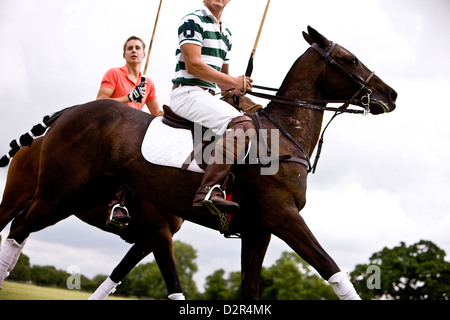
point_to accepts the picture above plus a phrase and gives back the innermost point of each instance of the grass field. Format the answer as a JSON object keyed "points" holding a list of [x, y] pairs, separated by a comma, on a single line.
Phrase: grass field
{"points": [[20, 291]]}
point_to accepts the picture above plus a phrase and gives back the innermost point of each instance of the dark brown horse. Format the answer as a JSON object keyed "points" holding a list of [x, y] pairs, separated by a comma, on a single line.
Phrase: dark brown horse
{"points": [[102, 138], [150, 231]]}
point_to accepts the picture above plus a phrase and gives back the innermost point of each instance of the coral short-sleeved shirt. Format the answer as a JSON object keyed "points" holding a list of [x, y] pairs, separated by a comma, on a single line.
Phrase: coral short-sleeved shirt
{"points": [[118, 80]]}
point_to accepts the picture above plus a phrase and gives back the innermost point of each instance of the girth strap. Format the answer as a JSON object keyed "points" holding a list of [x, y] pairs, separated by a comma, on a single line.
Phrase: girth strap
{"points": [[290, 137]]}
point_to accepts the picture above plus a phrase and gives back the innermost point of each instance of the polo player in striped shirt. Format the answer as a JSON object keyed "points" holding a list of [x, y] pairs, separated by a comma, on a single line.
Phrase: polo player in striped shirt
{"points": [[202, 63]]}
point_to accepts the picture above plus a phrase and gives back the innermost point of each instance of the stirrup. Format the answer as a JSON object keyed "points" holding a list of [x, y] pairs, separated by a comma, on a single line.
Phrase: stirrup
{"points": [[114, 225], [209, 204], [118, 206]]}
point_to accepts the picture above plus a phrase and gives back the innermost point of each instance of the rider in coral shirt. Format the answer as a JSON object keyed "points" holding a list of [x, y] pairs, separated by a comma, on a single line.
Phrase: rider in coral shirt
{"points": [[119, 81], [126, 84]]}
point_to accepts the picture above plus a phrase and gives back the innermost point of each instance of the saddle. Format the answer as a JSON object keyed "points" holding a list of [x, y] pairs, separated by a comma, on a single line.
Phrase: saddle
{"points": [[172, 120], [243, 104]]}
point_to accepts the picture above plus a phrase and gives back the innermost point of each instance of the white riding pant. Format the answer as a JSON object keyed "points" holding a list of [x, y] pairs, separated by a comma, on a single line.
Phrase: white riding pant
{"points": [[198, 105]]}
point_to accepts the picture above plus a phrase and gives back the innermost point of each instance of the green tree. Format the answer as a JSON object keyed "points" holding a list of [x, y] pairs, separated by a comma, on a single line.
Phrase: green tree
{"points": [[22, 270], [415, 272], [290, 278], [217, 287], [49, 276], [234, 285]]}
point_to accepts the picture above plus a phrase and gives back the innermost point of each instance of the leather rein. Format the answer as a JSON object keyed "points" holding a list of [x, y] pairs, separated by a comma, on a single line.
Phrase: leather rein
{"points": [[314, 104]]}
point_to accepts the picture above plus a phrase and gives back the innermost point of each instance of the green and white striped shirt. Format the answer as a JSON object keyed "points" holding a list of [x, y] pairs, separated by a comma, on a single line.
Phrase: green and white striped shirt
{"points": [[203, 29]]}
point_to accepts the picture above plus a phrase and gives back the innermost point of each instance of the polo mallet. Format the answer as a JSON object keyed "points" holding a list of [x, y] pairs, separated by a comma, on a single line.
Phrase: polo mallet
{"points": [[249, 70], [153, 35]]}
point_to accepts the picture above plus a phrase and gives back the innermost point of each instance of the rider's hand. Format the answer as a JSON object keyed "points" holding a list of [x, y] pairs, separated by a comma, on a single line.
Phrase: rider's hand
{"points": [[138, 92], [243, 84]]}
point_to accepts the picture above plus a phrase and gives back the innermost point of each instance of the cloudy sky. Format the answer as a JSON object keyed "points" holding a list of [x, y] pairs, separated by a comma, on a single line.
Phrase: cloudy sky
{"points": [[381, 179]]}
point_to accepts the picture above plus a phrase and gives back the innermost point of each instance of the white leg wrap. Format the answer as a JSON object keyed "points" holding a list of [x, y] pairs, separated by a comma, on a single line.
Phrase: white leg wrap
{"points": [[177, 296], [343, 287], [9, 255], [17, 255], [104, 290]]}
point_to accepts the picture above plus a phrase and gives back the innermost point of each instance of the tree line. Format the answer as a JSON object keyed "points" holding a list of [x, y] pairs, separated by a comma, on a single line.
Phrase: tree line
{"points": [[418, 271]]}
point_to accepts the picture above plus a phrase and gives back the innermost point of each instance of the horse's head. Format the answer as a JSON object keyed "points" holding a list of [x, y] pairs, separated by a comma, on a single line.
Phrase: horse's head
{"points": [[346, 76]]}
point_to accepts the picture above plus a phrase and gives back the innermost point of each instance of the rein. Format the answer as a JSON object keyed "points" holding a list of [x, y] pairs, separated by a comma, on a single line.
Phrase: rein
{"points": [[307, 104], [314, 104]]}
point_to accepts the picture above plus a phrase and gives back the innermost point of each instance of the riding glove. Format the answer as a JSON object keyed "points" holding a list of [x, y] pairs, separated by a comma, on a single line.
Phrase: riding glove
{"points": [[138, 92]]}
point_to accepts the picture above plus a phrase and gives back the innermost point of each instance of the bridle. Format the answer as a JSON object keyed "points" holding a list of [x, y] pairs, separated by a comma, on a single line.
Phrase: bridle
{"points": [[356, 79], [320, 105], [315, 104]]}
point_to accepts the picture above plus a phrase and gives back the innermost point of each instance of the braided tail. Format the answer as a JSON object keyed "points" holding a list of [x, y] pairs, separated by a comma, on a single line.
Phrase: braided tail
{"points": [[27, 138]]}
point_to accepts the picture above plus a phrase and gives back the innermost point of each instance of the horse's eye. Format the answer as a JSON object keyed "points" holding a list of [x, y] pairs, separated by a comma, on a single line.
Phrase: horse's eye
{"points": [[354, 62]]}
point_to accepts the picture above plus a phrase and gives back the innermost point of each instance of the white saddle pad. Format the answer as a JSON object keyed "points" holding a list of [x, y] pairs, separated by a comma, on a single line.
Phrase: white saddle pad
{"points": [[167, 146]]}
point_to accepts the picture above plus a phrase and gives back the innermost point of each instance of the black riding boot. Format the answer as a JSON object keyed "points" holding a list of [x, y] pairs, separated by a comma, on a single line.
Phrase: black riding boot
{"points": [[229, 148]]}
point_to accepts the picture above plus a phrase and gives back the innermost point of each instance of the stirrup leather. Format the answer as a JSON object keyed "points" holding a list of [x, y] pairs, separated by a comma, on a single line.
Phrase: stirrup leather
{"points": [[209, 204]]}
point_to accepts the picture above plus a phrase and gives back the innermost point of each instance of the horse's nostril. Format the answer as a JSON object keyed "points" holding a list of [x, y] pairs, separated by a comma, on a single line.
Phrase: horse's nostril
{"points": [[393, 96]]}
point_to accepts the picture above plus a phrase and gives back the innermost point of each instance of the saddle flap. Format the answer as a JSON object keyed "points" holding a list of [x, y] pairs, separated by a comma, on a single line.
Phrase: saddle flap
{"points": [[155, 144], [175, 121]]}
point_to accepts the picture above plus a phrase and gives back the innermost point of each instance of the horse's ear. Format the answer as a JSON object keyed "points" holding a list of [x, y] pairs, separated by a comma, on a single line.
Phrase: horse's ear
{"points": [[308, 38], [318, 38]]}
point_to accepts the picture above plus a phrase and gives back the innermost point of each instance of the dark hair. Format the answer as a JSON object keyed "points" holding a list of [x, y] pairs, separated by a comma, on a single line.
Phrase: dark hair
{"points": [[133, 38]]}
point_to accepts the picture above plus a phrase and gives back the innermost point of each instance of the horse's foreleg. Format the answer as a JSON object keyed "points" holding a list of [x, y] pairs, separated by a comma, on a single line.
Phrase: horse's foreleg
{"points": [[9, 254], [253, 251], [104, 290], [294, 231], [166, 262], [137, 252]]}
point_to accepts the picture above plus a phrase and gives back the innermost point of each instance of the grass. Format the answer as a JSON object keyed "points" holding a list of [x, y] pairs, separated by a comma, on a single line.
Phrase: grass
{"points": [[20, 291]]}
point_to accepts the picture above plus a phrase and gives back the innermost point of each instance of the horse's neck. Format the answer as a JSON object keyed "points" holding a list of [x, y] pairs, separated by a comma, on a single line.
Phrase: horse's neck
{"points": [[302, 82]]}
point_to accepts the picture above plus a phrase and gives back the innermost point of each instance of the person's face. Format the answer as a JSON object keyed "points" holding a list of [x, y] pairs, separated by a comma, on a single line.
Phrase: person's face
{"points": [[216, 4], [134, 52]]}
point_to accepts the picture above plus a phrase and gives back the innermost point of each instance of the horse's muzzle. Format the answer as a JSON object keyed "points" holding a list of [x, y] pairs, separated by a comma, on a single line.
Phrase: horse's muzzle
{"points": [[383, 104]]}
